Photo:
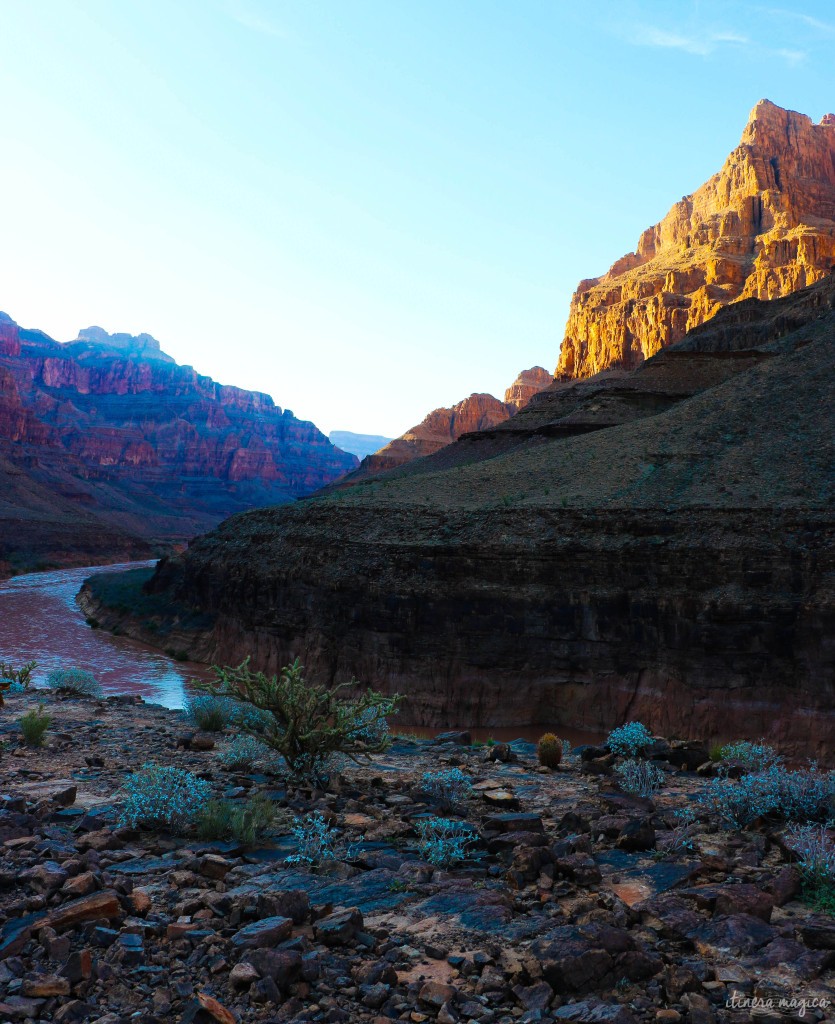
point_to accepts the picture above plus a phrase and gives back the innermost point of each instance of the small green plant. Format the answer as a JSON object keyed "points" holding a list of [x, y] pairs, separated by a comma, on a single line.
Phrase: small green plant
{"points": [[211, 714], [308, 723], [160, 798], [33, 725], [448, 789], [815, 852], [443, 841], [549, 750], [629, 740], [246, 822], [680, 837], [315, 838], [242, 753], [715, 752], [643, 778], [751, 757], [76, 682]]}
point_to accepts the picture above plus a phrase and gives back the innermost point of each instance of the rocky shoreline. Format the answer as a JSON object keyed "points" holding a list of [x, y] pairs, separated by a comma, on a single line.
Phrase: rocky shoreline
{"points": [[571, 906]]}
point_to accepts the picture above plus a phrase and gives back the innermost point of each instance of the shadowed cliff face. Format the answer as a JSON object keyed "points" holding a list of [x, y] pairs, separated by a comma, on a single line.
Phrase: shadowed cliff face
{"points": [[655, 545], [763, 227], [122, 440]]}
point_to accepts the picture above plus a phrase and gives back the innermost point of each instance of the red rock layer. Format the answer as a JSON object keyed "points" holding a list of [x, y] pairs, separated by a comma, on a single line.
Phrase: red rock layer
{"points": [[443, 426], [527, 384], [763, 227], [156, 449]]}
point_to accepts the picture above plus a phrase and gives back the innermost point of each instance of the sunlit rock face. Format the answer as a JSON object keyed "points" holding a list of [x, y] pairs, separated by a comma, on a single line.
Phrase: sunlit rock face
{"points": [[763, 227]]}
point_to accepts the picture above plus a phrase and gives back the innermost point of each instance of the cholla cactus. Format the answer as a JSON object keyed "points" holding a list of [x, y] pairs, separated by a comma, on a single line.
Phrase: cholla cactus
{"points": [[643, 778], [161, 798], [307, 722], [448, 789], [443, 841], [630, 739]]}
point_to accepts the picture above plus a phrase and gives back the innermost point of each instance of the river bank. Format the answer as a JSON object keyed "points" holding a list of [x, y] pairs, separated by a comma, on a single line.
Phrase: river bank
{"points": [[570, 905], [41, 621]]}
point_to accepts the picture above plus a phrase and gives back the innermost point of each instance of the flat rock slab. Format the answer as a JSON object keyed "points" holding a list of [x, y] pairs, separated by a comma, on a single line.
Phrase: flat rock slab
{"points": [[263, 934], [370, 892]]}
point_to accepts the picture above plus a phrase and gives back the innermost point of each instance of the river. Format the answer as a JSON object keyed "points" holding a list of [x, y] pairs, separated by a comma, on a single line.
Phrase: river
{"points": [[40, 621]]}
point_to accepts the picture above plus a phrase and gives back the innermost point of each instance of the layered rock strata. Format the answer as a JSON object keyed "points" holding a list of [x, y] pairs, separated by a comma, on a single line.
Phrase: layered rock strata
{"points": [[763, 227], [442, 426], [656, 545], [114, 432]]}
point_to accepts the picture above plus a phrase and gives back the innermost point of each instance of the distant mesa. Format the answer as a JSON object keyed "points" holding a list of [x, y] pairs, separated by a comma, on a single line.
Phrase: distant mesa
{"points": [[763, 227], [140, 344], [358, 444]]}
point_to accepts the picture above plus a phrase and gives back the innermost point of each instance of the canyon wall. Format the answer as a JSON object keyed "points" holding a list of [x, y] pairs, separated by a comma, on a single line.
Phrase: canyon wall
{"points": [[114, 428], [443, 426], [662, 547], [763, 227]]}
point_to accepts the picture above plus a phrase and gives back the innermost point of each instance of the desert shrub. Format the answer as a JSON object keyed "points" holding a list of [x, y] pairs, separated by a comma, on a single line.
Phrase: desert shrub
{"points": [[629, 740], [209, 713], [752, 757], [801, 796], [567, 750], [245, 822], [242, 753], [33, 725], [549, 750], [370, 729], [448, 789], [316, 840], [804, 795], [308, 722], [160, 798], [815, 852], [680, 836], [76, 682], [443, 841], [12, 688], [643, 778], [739, 803]]}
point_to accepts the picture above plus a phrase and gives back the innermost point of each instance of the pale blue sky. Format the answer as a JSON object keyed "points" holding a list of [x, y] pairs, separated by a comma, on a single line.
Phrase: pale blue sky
{"points": [[367, 209]]}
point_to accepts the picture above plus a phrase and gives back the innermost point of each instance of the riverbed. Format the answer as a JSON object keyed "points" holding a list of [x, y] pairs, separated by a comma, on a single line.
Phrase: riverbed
{"points": [[40, 621]]}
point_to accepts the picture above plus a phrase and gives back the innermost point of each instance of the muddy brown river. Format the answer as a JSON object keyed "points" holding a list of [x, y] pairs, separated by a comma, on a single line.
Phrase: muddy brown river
{"points": [[40, 621]]}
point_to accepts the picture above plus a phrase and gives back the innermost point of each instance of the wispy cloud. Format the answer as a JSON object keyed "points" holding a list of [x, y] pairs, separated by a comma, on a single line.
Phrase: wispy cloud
{"points": [[705, 43], [699, 43], [826, 27], [255, 22]]}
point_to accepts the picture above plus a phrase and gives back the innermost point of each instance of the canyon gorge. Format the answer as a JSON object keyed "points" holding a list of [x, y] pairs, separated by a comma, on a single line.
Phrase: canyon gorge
{"points": [[110, 450]]}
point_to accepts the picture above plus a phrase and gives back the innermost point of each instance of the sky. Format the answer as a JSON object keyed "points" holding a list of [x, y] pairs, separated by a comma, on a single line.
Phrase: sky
{"points": [[366, 208]]}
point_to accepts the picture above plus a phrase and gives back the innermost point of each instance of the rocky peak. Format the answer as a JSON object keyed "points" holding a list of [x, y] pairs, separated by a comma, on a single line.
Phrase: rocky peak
{"points": [[144, 345], [763, 227], [527, 384]]}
